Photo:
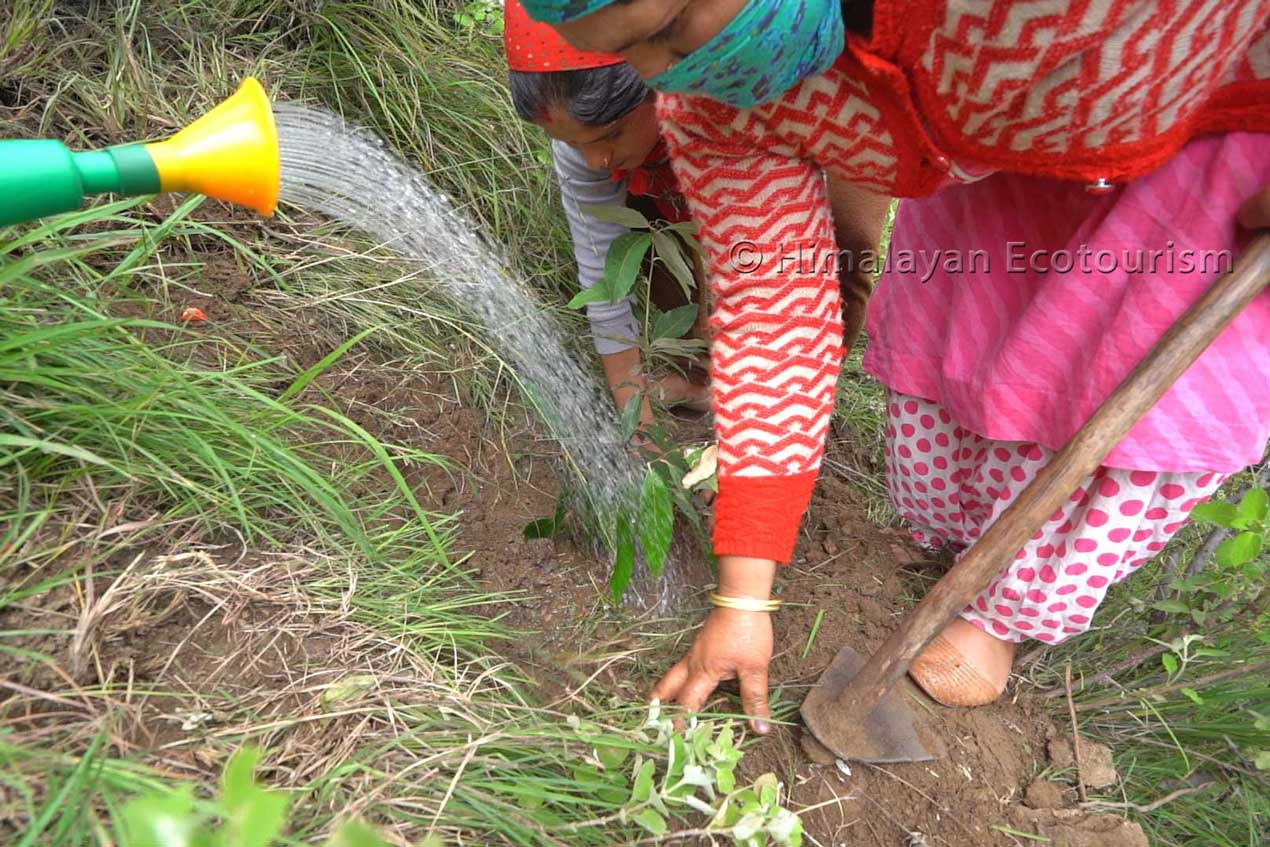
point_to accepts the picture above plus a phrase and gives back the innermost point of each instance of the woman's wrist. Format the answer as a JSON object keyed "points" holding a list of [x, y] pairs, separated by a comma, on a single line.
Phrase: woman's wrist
{"points": [[743, 576]]}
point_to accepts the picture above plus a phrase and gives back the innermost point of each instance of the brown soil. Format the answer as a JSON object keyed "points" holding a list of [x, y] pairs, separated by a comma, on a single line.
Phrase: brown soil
{"points": [[864, 578], [502, 475]]}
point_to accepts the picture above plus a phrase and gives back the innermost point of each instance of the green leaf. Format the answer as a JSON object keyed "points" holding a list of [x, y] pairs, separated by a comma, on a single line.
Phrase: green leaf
{"points": [[688, 231], [676, 322], [768, 790], [624, 561], [748, 826], [785, 828], [1254, 505], [1170, 663], [588, 774], [1193, 696], [677, 757], [700, 740], [746, 801], [624, 215], [723, 744], [643, 782], [47, 446], [621, 266], [612, 757], [656, 522], [353, 834], [650, 820], [1173, 607], [546, 527], [255, 816], [303, 380], [598, 293], [1242, 548], [684, 347], [348, 688], [613, 793], [1222, 514], [670, 253], [165, 820], [629, 420], [725, 778], [258, 822], [238, 781], [1262, 760]]}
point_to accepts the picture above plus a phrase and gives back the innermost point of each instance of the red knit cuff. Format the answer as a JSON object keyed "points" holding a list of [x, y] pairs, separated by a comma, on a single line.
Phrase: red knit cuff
{"points": [[759, 516]]}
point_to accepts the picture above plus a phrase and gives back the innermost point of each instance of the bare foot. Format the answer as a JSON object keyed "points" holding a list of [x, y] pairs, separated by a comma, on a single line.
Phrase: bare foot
{"points": [[964, 666]]}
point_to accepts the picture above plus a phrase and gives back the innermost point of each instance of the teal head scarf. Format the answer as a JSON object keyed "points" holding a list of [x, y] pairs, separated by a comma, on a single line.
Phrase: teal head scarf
{"points": [[556, 11], [767, 49]]}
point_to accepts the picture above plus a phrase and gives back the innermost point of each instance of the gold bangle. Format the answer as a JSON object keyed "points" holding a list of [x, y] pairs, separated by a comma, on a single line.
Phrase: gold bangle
{"points": [[744, 604]]}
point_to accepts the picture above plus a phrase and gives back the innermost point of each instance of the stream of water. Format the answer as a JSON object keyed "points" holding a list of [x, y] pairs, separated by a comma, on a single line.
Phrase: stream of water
{"points": [[352, 176]]}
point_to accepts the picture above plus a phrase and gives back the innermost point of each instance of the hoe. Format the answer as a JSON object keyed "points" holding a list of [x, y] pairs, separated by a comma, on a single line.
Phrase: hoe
{"points": [[856, 710]]}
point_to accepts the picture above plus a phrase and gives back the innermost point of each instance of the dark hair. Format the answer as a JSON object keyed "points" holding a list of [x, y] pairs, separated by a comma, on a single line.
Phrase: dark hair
{"points": [[592, 96]]}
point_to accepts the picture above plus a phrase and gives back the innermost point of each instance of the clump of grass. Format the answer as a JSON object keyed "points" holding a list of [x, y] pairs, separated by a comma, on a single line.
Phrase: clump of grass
{"points": [[122, 406], [390, 723], [1183, 707]]}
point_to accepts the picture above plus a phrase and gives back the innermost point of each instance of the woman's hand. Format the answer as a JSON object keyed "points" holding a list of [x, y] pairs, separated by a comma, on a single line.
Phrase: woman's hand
{"points": [[731, 645], [1255, 213]]}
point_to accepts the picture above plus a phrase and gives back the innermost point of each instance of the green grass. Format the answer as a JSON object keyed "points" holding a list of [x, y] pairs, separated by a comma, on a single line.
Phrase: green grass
{"points": [[197, 431], [191, 434], [125, 403], [1199, 726], [123, 431]]}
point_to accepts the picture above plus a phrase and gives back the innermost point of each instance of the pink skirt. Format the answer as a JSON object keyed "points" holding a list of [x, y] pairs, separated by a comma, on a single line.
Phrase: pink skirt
{"points": [[1018, 304], [951, 484]]}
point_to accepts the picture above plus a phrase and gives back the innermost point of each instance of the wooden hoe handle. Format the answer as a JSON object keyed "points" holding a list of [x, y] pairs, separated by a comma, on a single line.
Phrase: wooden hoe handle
{"points": [[1189, 336]]}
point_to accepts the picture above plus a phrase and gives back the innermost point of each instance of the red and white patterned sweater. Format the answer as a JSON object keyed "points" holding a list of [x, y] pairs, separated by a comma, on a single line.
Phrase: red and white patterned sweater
{"points": [[1075, 89]]}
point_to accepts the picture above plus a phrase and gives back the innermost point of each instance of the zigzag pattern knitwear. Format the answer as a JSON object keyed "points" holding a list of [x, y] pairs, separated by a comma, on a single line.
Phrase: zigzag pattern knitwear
{"points": [[943, 91]]}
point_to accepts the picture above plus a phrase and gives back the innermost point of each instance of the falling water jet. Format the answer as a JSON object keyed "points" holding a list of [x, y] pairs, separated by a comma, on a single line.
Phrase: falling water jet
{"points": [[354, 177]]}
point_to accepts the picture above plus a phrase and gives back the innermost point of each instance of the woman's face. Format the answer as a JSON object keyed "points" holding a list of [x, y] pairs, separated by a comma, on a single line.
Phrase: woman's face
{"points": [[623, 144], [651, 34]]}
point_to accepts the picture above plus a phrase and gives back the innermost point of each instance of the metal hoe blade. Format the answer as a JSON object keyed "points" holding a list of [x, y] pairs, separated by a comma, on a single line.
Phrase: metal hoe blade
{"points": [[890, 733]]}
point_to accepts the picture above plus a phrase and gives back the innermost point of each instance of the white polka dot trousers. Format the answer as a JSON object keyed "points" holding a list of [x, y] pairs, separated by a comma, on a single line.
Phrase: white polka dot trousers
{"points": [[951, 484]]}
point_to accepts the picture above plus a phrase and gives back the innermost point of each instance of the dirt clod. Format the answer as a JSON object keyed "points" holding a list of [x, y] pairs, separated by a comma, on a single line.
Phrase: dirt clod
{"points": [[1043, 794], [1074, 828], [1097, 766]]}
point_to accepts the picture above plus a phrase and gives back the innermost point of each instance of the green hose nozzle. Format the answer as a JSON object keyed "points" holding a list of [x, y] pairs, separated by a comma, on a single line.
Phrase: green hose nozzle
{"points": [[230, 153], [39, 178]]}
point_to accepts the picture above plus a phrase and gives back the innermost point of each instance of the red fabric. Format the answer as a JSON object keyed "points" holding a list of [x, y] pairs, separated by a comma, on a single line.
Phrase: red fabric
{"points": [[758, 515], [655, 179], [1072, 89], [536, 47], [1058, 89]]}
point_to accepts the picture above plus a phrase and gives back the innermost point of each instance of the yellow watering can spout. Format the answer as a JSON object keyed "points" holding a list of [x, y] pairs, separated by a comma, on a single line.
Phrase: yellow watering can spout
{"points": [[231, 153]]}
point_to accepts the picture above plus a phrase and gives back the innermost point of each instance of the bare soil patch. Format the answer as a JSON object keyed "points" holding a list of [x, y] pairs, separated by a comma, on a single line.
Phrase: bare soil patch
{"points": [[274, 661]]}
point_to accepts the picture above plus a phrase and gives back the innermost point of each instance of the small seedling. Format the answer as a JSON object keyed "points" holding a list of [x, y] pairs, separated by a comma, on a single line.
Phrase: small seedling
{"points": [[697, 775], [244, 814]]}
